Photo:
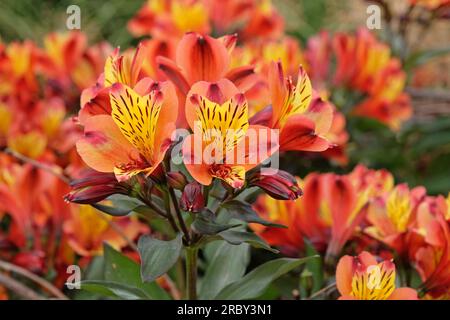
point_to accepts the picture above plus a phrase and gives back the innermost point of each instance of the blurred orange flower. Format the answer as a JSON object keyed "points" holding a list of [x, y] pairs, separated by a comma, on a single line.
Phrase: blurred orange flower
{"points": [[363, 278]]}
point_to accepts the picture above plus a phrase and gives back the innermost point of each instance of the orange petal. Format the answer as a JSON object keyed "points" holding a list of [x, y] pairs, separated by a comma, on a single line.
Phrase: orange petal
{"points": [[202, 57], [174, 73], [342, 196], [94, 101], [217, 92], [243, 77], [321, 113], [344, 273], [103, 146], [278, 90], [404, 294], [259, 144], [367, 259], [193, 161], [167, 118], [299, 134]]}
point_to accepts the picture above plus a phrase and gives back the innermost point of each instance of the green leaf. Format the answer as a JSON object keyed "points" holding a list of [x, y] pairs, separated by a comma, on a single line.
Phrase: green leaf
{"points": [[255, 283], [314, 266], [158, 256], [238, 237], [227, 264], [243, 211], [122, 205], [113, 289], [121, 269], [205, 223]]}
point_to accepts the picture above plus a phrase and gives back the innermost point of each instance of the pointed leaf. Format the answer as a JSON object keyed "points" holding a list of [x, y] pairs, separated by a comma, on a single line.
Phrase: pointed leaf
{"points": [[238, 237], [227, 264], [244, 211], [113, 289], [205, 223], [255, 283], [158, 256], [121, 269], [122, 205]]}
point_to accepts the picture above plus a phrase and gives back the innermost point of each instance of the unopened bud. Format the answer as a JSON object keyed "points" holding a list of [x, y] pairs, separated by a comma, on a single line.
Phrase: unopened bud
{"points": [[176, 180], [192, 198], [94, 186], [280, 185]]}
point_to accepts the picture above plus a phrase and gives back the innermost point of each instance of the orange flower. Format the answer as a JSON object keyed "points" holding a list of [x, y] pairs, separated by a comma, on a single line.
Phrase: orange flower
{"points": [[128, 121], [124, 69], [328, 214], [203, 58], [365, 64], [264, 22], [363, 278], [87, 229], [302, 125], [289, 240], [376, 182], [392, 113], [392, 215], [223, 144], [136, 136], [170, 18], [432, 255]]}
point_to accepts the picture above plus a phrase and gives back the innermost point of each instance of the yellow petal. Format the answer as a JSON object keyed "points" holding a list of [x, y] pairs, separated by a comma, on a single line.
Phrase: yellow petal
{"points": [[137, 117], [227, 122]]}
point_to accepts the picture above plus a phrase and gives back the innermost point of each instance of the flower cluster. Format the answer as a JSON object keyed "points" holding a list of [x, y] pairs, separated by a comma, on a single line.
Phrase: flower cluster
{"points": [[130, 119], [367, 210], [182, 144], [40, 88], [172, 18], [365, 66]]}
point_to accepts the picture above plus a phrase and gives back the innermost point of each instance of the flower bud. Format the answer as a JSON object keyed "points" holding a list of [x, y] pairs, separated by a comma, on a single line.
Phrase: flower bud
{"points": [[192, 198], [278, 184], [94, 186], [176, 180]]}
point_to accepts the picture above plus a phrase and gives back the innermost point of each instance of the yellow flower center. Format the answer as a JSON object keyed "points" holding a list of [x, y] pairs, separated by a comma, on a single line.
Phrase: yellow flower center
{"points": [[375, 283]]}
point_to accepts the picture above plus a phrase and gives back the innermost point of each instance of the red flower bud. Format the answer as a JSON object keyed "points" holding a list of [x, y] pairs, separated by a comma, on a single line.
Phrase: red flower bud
{"points": [[176, 180], [192, 198], [278, 184], [94, 186]]}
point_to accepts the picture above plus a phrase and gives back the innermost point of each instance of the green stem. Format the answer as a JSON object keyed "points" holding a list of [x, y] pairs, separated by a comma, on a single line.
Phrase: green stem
{"points": [[179, 216], [206, 190], [191, 273], [166, 197]]}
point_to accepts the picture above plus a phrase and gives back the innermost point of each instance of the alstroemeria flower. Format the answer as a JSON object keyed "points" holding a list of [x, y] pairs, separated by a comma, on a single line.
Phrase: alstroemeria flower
{"points": [[124, 69], [264, 22], [392, 214], [328, 215], [302, 125], [203, 58], [87, 229], [363, 278], [223, 144], [432, 257], [136, 136], [170, 19]]}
